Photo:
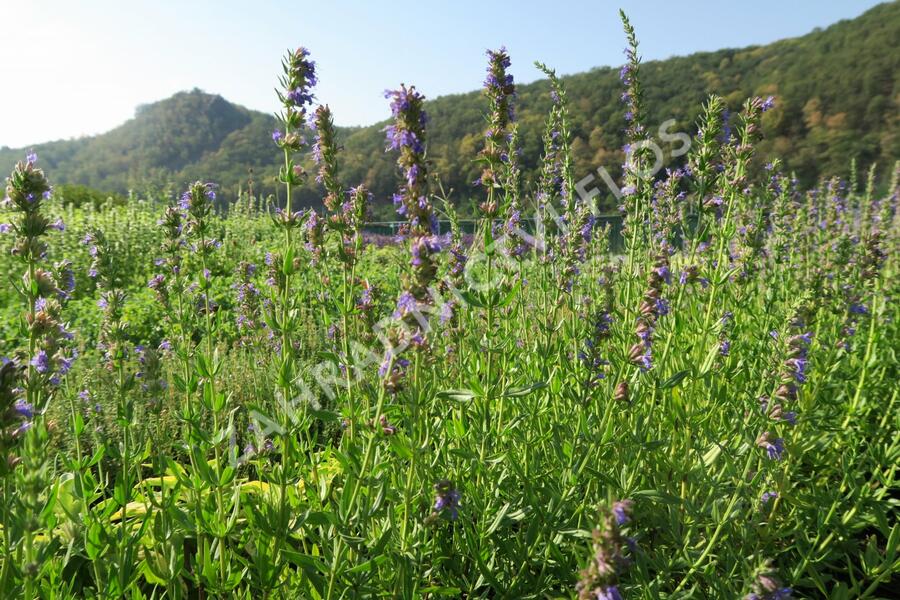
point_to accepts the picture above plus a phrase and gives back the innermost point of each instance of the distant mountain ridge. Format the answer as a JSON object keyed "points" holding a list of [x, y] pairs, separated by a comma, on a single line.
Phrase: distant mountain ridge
{"points": [[837, 98]]}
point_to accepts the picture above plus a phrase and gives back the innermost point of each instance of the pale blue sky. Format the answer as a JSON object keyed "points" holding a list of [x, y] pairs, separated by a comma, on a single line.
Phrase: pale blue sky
{"points": [[70, 68]]}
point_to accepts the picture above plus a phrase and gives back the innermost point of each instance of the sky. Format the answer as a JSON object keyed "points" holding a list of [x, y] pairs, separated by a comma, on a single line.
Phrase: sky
{"points": [[80, 67]]}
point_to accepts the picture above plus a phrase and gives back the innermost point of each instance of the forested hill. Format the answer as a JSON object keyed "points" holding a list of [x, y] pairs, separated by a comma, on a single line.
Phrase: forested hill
{"points": [[837, 98]]}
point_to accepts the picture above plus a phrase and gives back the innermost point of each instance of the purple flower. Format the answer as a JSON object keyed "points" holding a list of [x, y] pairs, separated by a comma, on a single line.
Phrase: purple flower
{"points": [[277, 135], [41, 362], [21, 429], [5, 227], [446, 313], [610, 592], [858, 309], [664, 274], [662, 307], [185, 202], [157, 282], [385, 364], [65, 363], [299, 96], [621, 511], [365, 299], [799, 366], [406, 303], [31, 157], [447, 498], [768, 496], [646, 360], [768, 104], [724, 347], [58, 225], [24, 409], [67, 279], [774, 448]]}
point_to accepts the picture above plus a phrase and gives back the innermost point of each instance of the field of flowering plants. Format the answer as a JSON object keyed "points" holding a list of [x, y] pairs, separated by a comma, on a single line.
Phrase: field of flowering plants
{"points": [[255, 401]]}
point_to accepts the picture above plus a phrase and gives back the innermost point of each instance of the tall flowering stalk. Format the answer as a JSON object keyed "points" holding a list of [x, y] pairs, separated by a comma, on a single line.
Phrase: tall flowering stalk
{"points": [[44, 288], [38, 370], [346, 216], [198, 204], [248, 297], [663, 220], [324, 152], [704, 159], [515, 245], [731, 185], [407, 135], [638, 153], [781, 408], [283, 317], [600, 578], [558, 179], [298, 79], [105, 269], [653, 305], [500, 91], [171, 288], [549, 184], [703, 205], [594, 353]]}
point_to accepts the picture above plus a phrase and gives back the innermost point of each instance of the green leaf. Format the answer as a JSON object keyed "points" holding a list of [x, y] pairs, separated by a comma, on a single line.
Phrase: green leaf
{"points": [[518, 392], [674, 379], [489, 246], [369, 565], [457, 395], [401, 446], [498, 518], [442, 591]]}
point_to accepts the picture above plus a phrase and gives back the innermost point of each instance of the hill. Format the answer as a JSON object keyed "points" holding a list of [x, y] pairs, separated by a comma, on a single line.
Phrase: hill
{"points": [[837, 98]]}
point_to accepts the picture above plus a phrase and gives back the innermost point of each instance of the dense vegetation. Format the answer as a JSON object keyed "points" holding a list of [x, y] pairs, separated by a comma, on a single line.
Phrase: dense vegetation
{"points": [[837, 91], [257, 403]]}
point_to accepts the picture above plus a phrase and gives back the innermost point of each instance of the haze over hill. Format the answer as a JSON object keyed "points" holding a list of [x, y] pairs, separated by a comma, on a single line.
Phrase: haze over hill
{"points": [[837, 98]]}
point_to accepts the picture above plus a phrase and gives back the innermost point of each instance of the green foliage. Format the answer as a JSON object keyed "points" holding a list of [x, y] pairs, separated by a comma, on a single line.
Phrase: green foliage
{"points": [[81, 195]]}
